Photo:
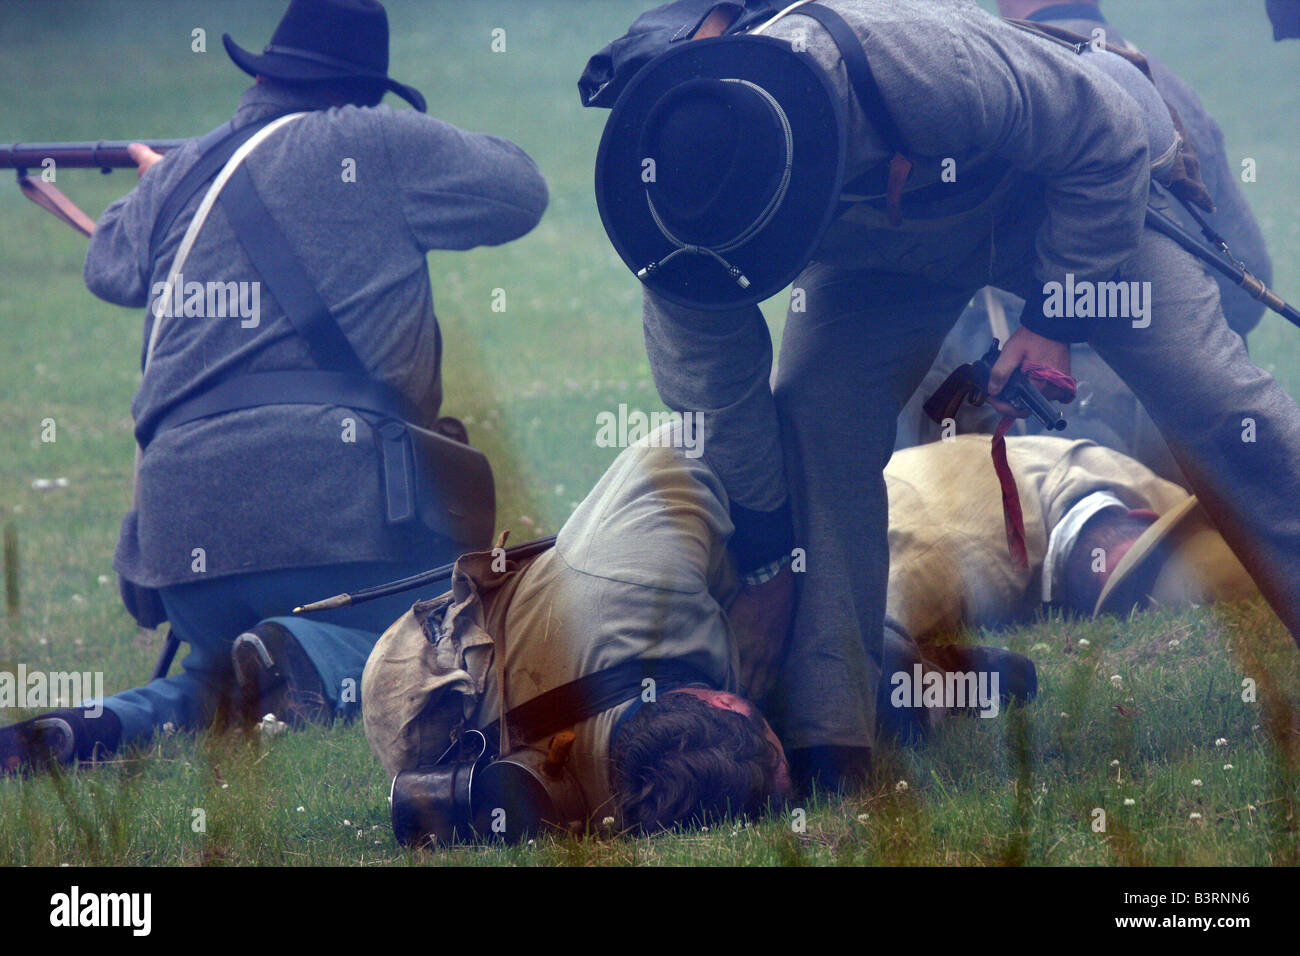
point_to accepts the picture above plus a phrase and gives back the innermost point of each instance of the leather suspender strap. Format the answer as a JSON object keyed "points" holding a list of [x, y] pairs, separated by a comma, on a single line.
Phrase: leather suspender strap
{"points": [[283, 274], [859, 69], [578, 700], [215, 150], [867, 91]]}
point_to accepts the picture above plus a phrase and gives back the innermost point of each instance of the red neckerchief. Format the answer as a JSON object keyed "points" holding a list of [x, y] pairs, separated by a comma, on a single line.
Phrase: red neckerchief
{"points": [[1012, 516]]}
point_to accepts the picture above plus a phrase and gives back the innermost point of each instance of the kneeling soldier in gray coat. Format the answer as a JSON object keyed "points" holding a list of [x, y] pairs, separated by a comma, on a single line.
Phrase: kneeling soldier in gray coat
{"points": [[241, 513]]}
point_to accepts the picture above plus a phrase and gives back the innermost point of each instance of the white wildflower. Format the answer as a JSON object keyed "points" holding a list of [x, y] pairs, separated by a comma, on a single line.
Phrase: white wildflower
{"points": [[269, 726]]}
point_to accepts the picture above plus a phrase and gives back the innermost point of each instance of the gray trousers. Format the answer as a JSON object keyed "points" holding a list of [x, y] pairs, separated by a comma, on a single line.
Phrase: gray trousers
{"points": [[852, 359]]}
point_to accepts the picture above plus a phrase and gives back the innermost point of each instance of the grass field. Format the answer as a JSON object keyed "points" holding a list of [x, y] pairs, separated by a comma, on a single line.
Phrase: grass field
{"points": [[1135, 714]]}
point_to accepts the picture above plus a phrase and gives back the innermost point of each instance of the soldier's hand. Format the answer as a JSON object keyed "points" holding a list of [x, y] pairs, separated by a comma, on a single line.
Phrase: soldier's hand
{"points": [[144, 156], [1026, 346], [760, 620]]}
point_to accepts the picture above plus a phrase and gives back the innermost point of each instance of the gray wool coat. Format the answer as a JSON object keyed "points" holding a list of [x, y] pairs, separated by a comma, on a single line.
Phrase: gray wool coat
{"points": [[960, 83], [1232, 218], [282, 486]]}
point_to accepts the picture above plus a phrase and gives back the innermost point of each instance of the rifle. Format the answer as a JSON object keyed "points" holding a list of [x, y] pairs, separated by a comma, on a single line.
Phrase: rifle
{"points": [[1220, 258], [425, 578], [970, 382], [104, 155]]}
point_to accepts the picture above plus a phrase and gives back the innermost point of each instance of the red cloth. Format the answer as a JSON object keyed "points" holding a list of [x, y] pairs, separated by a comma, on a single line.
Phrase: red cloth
{"points": [[900, 167], [1012, 516]]}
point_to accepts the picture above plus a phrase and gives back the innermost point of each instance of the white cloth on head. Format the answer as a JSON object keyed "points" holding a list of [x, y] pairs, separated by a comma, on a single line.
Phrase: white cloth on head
{"points": [[1066, 533]]}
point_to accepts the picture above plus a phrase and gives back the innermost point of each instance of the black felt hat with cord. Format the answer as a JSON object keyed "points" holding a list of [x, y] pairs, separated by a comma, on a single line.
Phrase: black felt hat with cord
{"points": [[320, 40], [720, 168]]}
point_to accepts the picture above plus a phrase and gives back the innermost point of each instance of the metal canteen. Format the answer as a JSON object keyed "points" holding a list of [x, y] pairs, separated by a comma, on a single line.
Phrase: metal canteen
{"points": [[523, 794], [431, 806]]}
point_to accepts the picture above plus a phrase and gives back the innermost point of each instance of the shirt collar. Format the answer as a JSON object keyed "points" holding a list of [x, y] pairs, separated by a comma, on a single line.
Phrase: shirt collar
{"points": [[260, 101]]}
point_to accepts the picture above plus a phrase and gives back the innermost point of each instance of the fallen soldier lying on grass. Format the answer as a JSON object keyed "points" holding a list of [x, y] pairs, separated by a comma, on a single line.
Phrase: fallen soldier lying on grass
{"points": [[1103, 534], [640, 573]]}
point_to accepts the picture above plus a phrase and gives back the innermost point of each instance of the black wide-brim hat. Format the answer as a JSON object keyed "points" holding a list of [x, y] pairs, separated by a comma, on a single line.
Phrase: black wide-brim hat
{"points": [[777, 253], [319, 40]]}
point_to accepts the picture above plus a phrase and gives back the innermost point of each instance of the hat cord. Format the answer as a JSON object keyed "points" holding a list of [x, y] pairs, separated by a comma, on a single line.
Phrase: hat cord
{"points": [[311, 55], [754, 228]]}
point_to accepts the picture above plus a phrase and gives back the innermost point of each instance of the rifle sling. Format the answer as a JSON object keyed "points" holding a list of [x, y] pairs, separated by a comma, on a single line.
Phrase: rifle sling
{"points": [[50, 198]]}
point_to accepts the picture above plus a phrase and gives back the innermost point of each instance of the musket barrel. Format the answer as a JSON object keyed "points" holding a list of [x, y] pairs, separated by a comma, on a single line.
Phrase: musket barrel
{"points": [[425, 578], [104, 154], [1169, 228]]}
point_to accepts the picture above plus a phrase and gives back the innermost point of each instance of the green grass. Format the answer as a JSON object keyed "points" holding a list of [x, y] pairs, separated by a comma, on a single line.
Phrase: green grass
{"points": [[530, 383]]}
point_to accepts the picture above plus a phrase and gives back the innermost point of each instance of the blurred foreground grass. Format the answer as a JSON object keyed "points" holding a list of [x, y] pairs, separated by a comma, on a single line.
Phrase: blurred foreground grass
{"points": [[530, 383]]}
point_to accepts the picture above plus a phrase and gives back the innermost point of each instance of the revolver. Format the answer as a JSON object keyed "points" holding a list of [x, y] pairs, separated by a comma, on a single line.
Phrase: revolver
{"points": [[970, 382]]}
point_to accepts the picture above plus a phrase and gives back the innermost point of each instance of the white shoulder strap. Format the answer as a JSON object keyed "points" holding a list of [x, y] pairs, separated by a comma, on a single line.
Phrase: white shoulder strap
{"points": [[784, 13], [161, 303]]}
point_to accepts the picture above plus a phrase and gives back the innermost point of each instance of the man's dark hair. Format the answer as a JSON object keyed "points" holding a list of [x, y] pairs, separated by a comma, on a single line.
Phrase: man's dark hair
{"points": [[1107, 531], [358, 92], [680, 761]]}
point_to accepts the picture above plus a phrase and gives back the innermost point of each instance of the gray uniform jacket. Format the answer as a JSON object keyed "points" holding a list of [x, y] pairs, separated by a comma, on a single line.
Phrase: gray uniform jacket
{"points": [[1232, 218], [282, 486], [962, 84]]}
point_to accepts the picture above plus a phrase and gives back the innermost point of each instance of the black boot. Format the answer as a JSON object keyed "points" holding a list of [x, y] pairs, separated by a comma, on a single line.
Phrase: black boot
{"points": [[829, 768], [909, 726], [274, 676], [61, 736], [1017, 677]]}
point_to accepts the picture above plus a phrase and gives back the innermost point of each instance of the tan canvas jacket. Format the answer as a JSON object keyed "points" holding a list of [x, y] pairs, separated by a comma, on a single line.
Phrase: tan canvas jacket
{"points": [[948, 558], [640, 571]]}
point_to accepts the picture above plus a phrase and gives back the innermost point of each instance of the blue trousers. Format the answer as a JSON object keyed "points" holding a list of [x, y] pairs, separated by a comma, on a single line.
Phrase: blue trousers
{"points": [[209, 615]]}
